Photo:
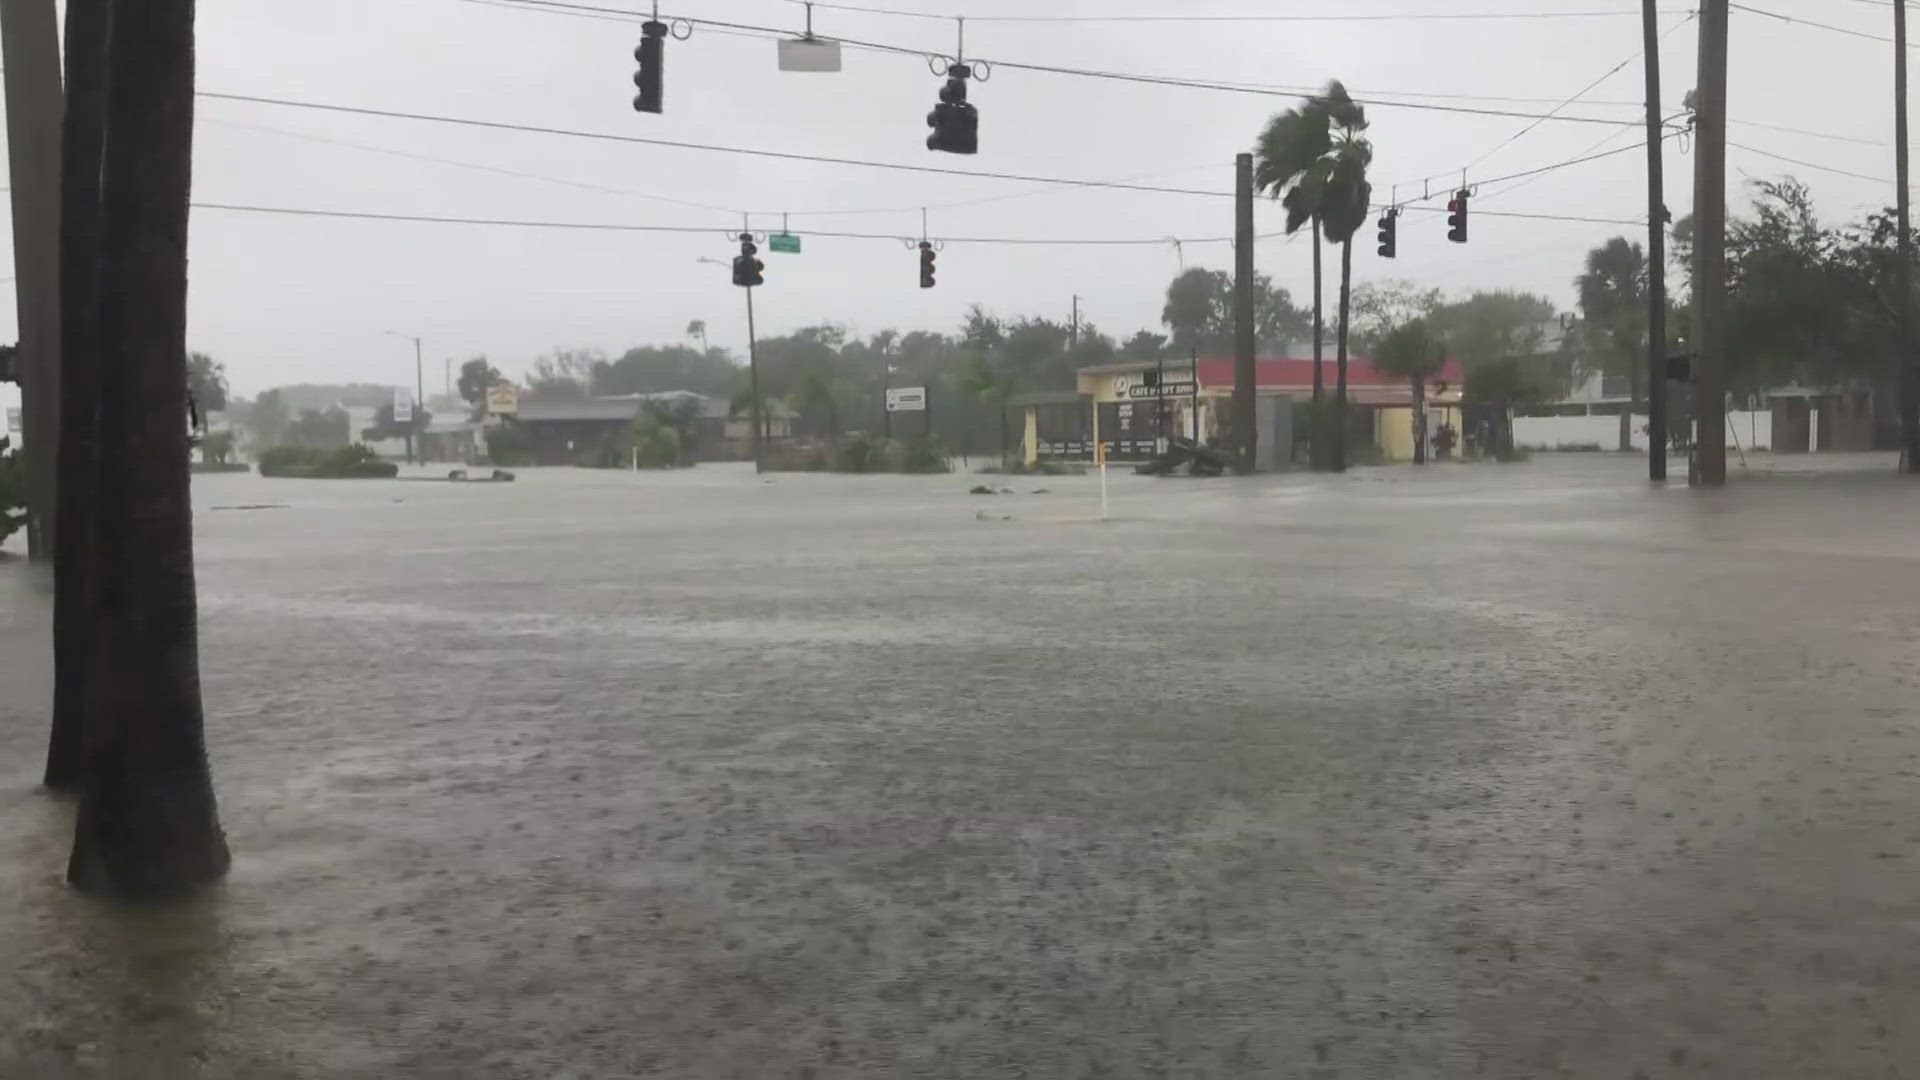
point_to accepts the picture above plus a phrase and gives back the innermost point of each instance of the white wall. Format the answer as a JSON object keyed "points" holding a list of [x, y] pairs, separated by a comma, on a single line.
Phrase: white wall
{"points": [[1749, 430]]}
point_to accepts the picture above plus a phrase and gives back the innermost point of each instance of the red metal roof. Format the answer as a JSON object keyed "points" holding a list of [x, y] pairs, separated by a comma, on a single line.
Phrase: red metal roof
{"points": [[1298, 374]]}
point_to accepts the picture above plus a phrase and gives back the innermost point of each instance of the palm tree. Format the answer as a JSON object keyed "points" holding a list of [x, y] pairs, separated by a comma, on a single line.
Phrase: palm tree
{"points": [[1613, 299], [1314, 160], [148, 824], [75, 568], [1412, 352]]}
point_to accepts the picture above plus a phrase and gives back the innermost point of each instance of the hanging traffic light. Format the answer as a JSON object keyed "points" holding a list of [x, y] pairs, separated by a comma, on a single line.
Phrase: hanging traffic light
{"points": [[955, 124], [746, 268], [1389, 232], [651, 54], [926, 265], [1457, 216]]}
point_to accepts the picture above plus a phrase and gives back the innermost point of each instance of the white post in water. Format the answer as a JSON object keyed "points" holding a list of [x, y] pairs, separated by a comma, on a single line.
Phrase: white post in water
{"points": [[1100, 459]]}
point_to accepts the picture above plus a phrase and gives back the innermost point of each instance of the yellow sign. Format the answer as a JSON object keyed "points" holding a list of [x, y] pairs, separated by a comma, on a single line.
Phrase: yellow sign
{"points": [[503, 399]]}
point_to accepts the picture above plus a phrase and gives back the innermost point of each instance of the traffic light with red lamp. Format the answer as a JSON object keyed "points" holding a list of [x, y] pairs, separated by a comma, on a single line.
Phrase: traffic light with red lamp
{"points": [[1457, 216], [746, 268], [651, 55], [955, 124], [926, 265]]}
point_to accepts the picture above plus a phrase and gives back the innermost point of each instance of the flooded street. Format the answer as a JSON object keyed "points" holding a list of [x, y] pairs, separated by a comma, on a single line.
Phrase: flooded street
{"points": [[1476, 771]]}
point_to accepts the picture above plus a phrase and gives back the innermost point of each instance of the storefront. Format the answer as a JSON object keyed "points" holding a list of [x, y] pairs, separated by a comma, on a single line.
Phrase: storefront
{"points": [[1131, 406]]}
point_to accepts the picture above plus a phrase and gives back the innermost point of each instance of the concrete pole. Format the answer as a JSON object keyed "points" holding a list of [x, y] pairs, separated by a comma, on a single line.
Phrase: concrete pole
{"points": [[1656, 255], [30, 52], [1909, 376], [1710, 247], [1243, 366]]}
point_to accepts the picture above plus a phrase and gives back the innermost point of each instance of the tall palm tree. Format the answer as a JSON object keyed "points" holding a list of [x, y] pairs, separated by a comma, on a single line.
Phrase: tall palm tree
{"points": [[1613, 300], [1413, 352], [148, 824], [1314, 159], [75, 568], [992, 388]]}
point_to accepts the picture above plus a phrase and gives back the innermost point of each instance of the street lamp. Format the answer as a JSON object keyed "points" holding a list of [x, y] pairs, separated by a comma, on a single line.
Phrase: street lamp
{"points": [[419, 389], [760, 424]]}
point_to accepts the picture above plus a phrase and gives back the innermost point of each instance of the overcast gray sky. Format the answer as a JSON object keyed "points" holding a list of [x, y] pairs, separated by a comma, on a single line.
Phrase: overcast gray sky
{"points": [[285, 299]]}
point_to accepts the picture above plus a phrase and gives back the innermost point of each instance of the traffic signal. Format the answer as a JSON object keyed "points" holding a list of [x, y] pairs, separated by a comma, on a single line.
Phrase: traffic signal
{"points": [[746, 268], [955, 124], [1389, 232], [1680, 368], [651, 54], [926, 265], [1457, 216]]}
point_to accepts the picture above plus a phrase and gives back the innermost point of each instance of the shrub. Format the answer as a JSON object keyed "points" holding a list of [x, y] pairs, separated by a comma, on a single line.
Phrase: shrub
{"points": [[13, 490], [509, 444], [356, 462]]}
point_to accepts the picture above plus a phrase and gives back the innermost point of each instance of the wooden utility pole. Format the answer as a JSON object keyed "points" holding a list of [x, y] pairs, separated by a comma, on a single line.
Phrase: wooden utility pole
{"points": [[1656, 255], [1710, 249], [30, 52], [1909, 375], [1243, 366]]}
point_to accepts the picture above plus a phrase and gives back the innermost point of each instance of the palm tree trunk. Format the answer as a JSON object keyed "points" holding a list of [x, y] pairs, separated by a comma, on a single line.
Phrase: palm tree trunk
{"points": [[1419, 421], [75, 570], [148, 823], [1340, 359], [1316, 448]]}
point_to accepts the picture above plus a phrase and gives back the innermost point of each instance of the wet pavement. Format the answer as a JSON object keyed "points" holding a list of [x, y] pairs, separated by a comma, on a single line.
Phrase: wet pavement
{"points": [[1480, 771]]}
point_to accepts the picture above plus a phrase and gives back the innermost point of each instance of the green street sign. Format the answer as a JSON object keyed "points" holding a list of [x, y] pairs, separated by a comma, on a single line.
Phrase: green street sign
{"points": [[784, 242]]}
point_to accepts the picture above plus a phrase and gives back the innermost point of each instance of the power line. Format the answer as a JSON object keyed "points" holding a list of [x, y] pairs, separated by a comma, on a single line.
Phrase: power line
{"points": [[1089, 73], [498, 125], [1406, 17], [1809, 22], [588, 226], [1808, 164]]}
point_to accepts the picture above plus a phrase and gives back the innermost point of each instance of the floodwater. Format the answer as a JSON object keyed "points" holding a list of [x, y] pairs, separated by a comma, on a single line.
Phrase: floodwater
{"points": [[1479, 771]]}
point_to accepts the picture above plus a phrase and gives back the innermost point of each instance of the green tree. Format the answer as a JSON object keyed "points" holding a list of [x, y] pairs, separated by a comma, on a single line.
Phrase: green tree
{"points": [[1613, 334], [564, 375], [1412, 352], [1314, 159], [1199, 314], [477, 376], [268, 419], [207, 385], [1380, 307], [332, 427], [1144, 345], [991, 387]]}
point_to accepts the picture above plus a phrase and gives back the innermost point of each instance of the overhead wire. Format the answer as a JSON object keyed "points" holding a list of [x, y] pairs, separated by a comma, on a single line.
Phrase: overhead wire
{"points": [[1254, 89], [1810, 22], [1246, 18]]}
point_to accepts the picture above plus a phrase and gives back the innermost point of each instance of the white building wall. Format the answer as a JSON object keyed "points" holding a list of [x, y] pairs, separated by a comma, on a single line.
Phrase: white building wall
{"points": [[1746, 430]]}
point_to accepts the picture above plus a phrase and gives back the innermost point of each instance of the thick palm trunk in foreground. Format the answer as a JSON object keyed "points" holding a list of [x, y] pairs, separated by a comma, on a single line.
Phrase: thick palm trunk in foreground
{"points": [[74, 566], [148, 823]]}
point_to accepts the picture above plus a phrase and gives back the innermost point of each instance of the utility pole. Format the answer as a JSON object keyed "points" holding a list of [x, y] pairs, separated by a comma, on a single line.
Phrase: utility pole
{"points": [[1656, 255], [1073, 328], [1243, 366], [1316, 444], [30, 52], [1909, 375], [1710, 249], [753, 377]]}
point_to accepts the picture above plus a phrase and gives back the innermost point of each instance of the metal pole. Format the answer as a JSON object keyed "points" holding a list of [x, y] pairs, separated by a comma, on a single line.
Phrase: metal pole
{"points": [[1193, 396], [1243, 365], [1710, 248], [1073, 329], [419, 402], [753, 376], [1656, 256], [30, 42], [1909, 375], [1160, 400]]}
